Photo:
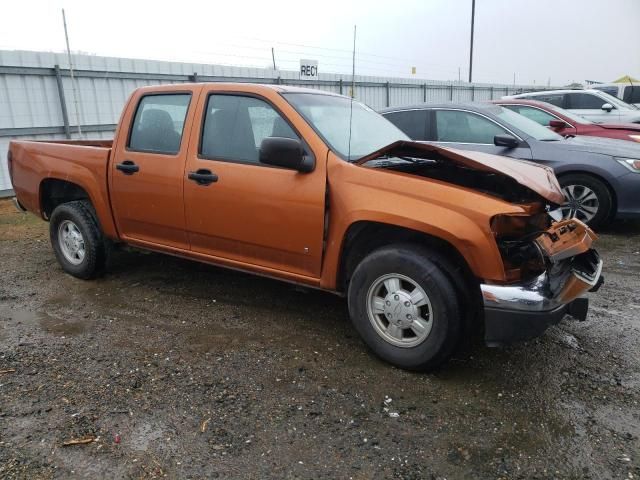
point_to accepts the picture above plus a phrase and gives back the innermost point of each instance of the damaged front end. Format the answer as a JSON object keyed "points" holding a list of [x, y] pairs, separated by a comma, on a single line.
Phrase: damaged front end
{"points": [[549, 266]]}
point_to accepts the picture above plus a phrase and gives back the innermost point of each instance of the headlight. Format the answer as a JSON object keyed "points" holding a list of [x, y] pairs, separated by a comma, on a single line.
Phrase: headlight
{"points": [[635, 137], [632, 164]]}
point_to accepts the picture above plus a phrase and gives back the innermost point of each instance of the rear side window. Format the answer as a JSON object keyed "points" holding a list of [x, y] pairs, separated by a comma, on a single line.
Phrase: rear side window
{"points": [[535, 114], [632, 94], [411, 122], [584, 101], [234, 127], [554, 99], [465, 127], [159, 123]]}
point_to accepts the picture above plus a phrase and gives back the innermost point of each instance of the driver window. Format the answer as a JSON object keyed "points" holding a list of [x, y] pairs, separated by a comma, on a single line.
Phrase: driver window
{"points": [[465, 127], [235, 125]]}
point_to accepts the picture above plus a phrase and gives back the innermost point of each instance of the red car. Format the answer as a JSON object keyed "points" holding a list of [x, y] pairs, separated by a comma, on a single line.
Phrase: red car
{"points": [[566, 123]]}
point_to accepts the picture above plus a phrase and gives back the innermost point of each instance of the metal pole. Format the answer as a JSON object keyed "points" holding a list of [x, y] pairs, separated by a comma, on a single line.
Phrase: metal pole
{"points": [[387, 88], [340, 84], [63, 102], [353, 69], [73, 80], [473, 16], [273, 57], [424, 92]]}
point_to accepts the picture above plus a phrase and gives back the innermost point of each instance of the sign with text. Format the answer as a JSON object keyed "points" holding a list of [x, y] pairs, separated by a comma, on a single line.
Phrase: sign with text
{"points": [[308, 69]]}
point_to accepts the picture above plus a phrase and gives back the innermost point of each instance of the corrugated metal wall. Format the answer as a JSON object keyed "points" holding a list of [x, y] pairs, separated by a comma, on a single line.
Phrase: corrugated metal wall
{"points": [[31, 88]]}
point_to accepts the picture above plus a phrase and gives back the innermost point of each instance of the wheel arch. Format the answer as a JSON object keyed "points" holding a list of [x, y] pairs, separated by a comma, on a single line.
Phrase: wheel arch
{"points": [[54, 191], [364, 236]]}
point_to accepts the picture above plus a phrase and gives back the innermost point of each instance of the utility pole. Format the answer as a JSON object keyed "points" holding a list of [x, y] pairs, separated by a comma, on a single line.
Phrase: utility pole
{"points": [[473, 17], [73, 80], [273, 57]]}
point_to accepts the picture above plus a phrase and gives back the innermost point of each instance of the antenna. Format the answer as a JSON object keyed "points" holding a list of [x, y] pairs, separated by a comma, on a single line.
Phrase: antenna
{"points": [[73, 80], [353, 90]]}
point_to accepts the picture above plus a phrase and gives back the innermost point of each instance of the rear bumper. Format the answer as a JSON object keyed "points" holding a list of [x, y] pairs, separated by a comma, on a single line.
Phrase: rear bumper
{"points": [[524, 311]]}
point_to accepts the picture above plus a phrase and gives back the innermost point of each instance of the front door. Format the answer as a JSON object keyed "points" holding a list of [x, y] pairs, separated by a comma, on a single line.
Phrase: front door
{"points": [[244, 211], [470, 131], [146, 177], [589, 106]]}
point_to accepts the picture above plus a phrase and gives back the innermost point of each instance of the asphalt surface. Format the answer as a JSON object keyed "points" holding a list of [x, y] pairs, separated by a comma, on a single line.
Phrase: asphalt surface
{"points": [[169, 368]]}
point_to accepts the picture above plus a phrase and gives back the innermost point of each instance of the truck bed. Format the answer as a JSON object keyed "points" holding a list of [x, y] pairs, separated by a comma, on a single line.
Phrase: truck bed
{"points": [[84, 161]]}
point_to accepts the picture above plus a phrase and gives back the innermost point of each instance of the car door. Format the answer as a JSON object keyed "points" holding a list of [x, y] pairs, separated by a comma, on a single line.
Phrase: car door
{"points": [[413, 122], [589, 105], [146, 172], [250, 213], [541, 117], [467, 130]]}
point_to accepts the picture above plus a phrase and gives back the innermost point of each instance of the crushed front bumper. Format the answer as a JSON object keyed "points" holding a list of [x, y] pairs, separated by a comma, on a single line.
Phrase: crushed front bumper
{"points": [[525, 310]]}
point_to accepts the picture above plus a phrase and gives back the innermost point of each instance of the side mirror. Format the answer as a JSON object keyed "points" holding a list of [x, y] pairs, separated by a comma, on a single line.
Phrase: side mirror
{"points": [[285, 153], [557, 124], [607, 107], [508, 141]]}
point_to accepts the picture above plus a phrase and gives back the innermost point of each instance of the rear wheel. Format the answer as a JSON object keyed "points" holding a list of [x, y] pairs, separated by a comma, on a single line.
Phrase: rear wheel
{"points": [[405, 307], [77, 240], [586, 198]]}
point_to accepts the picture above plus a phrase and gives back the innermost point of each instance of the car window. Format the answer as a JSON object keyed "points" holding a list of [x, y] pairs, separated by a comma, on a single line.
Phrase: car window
{"points": [[411, 122], [632, 94], [610, 90], [584, 101], [539, 116], [465, 127], [234, 127], [556, 99], [158, 123]]}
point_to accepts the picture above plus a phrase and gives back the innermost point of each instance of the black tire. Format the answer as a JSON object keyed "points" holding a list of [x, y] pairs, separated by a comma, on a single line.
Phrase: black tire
{"points": [[81, 214], [421, 265], [604, 212]]}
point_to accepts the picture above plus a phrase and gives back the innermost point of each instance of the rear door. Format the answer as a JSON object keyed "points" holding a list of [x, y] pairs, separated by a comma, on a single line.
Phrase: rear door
{"points": [[468, 130], [249, 213], [589, 105], [412, 122], [147, 170]]}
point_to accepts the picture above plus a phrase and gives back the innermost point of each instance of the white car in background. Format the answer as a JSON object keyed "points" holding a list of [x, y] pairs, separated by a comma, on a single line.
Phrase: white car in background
{"points": [[627, 92], [592, 104]]}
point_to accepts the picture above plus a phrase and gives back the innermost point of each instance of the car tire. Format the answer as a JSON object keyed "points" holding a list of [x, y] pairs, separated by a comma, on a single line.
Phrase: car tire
{"points": [[77, 240], [583, 193], [417, 296]]}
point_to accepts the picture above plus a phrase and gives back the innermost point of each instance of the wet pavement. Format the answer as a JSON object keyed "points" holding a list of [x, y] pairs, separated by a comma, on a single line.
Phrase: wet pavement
{"points": [[169, 368]]}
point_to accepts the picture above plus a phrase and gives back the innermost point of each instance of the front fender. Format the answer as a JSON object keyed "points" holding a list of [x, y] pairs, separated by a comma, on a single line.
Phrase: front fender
{"points": [[459, 216]]}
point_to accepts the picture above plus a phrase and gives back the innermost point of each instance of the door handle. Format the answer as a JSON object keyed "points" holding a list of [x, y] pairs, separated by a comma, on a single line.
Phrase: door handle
{"points": [[202, 176], [127, 167]]}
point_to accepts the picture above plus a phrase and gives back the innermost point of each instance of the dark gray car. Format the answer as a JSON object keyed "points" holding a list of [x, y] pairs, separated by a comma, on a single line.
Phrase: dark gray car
{"points": [[600, 177]]}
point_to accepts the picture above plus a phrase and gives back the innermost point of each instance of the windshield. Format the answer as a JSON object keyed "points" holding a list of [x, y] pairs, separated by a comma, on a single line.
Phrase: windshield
{"points": [[329, 116], [616, 101], [524, 124]]}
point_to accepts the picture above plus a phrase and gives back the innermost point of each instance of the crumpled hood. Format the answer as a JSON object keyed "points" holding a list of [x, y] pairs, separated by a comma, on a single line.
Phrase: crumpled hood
{"points": [[537, 178], [600, 145]]}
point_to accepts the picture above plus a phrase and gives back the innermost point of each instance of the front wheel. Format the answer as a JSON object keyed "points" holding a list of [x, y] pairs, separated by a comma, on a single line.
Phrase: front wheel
{"points": [[586, 198], [77, 240], [405, 307]]}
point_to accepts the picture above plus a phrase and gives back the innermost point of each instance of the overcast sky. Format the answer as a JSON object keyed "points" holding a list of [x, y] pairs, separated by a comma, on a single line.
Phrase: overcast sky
{"points": [[538, 40]]}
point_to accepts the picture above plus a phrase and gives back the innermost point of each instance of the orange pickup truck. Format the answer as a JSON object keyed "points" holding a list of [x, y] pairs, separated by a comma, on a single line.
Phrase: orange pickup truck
{"points": [[428, 244]]}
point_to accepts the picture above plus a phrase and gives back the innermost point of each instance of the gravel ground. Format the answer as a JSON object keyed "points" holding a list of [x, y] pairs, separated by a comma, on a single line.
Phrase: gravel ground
{"points": [[169, 368]]}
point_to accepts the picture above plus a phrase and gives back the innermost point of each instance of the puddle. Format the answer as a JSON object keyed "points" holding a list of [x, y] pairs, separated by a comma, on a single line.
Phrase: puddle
{"points": [[48, 323]]}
